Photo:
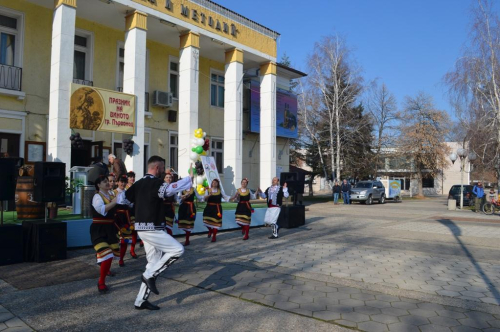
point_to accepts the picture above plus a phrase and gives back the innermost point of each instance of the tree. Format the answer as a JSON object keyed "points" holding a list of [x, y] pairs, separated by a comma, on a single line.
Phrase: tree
{"points": [[336, 79], [422, 137], [475, 87], [382, 106]]}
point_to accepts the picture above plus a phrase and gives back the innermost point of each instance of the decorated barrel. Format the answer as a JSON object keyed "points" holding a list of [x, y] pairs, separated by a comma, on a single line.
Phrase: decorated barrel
{"points": [[25, 206]]}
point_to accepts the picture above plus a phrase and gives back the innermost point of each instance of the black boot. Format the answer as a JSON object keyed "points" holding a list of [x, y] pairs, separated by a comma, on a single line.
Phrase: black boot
{"points": [[148, 306], [151, 283]]}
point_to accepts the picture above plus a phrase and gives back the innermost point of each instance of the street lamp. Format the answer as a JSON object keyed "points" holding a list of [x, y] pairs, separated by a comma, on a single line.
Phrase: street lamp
{"points": [[462, 154]]}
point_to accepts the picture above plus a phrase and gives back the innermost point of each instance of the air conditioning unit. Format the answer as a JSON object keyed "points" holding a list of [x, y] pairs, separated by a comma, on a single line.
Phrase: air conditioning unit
{"points": [[162, 99]]}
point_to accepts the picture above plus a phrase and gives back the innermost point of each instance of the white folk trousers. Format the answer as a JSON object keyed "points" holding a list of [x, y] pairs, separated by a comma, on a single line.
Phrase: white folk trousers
{"points": [[162, 250]]}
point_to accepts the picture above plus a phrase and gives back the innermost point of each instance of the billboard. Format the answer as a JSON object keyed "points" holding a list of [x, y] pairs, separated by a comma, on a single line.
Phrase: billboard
{"points": [[286, 111], [102, 110]]}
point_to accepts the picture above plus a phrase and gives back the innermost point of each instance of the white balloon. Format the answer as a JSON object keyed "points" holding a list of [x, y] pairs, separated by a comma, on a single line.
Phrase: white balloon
{"points": [[193, 156], [199, 179], [204, 134], [200, 141], [194, 140]]}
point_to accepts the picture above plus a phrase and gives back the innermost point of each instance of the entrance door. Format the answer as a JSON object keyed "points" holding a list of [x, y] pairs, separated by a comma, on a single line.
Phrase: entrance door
{"points": [[9, 145], [91, 151], [96, 152]]}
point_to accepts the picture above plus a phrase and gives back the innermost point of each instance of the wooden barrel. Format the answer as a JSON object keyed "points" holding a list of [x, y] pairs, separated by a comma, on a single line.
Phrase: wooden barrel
{"points": [[25, 206], [27, 170]]}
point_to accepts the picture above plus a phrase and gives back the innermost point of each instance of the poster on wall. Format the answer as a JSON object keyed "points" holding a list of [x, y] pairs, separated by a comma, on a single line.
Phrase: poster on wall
{"points": [[101, 110], [286, 111]]}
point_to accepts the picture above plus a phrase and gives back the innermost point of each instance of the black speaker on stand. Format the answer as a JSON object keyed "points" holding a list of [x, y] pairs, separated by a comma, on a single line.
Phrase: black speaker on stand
{"points": [[11, 236], [46, 240]]}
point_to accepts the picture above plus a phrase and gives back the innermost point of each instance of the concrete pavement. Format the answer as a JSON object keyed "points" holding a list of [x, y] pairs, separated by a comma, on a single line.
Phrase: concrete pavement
{"points": [[396, 267]]}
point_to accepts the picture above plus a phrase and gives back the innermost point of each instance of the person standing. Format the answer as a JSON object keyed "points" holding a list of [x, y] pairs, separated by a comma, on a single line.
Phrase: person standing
{"points": [[125, 223], [118, 166], [162, 250], [103, 233], [187, 212], [97, 169], [274, 195], [244, 210], [130, 179], [169, 204], [212, 214], [478, 191], [112, 181], [336, 193], [345, 188]]}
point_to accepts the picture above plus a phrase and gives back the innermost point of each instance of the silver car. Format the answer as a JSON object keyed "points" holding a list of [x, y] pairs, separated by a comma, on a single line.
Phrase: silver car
{"points": [[368, 191]]}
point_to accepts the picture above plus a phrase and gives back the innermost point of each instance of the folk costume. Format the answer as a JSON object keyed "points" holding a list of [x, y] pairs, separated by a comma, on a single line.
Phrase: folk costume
{"points": [[104, 235], [244, 210], [162, 250], [212, 214], [127, 234], [169, 204], [274, 195], [187, 213]]}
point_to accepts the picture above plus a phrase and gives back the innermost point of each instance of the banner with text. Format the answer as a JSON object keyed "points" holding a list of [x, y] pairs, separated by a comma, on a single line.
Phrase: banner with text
{"points": [[211, 172], [102, 110]]}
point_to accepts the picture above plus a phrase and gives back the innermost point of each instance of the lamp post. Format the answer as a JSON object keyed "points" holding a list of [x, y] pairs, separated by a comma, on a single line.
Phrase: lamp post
{"points": [[463, 155]]}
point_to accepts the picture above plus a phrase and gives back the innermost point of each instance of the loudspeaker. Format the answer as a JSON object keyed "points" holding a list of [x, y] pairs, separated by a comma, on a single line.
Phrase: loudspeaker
{"points": [[291, 181], [11, 244], [44, 241], [8, 177], [301, 180], [172, 116], [292, 216], [49, 182]]}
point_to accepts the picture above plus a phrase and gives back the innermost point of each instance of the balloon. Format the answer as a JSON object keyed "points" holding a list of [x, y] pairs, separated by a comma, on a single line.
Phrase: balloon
{"points": [[193, 149], [189, 170], [201, 191], [206, 145], [193, 156], [198, 149], [198, 133], [205, 183], [199, 179], [204, 153], [200, 141], [204, 134]]}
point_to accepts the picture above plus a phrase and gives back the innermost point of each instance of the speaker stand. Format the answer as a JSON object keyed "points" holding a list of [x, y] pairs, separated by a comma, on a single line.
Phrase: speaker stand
{"points": [[1, 206], [46, 212]]}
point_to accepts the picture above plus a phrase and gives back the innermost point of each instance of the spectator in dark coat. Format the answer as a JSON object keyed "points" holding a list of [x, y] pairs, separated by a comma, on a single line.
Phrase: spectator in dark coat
{"points": [[118, 166], [346, 191], [97, 170]]}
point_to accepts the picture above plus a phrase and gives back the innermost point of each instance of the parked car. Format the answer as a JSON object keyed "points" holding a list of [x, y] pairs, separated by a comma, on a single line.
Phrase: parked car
{"points": [[368, 191], [455, 194]]}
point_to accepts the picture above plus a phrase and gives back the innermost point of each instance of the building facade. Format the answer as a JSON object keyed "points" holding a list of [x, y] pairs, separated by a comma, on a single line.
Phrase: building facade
{"points": [[203, 58]]}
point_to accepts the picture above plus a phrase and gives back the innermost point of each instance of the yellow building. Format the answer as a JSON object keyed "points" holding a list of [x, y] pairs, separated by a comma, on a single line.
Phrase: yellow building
{"points": [[189, 63]]}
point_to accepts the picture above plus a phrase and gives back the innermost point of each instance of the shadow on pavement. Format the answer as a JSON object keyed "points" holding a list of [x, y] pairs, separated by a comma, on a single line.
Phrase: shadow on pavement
{"points": [[457, 232]]}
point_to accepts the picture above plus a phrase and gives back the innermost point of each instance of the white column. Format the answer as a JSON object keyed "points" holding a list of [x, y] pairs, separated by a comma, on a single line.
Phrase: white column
{"points": [[233, 108], [134, 82], [188, 96], [61, 76], [267, 124]]}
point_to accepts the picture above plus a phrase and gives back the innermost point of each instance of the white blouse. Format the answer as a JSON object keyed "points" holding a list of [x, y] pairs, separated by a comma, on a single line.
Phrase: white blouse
{"points": [[98, 203]]}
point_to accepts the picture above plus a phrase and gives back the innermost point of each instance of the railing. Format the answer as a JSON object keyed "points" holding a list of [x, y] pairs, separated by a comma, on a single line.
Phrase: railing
{"points": [[83, 82], [10, 77], [237, 18]]}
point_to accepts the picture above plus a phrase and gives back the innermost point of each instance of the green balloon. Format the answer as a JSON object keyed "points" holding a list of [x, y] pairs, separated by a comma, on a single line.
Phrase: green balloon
{"points": [[191, 168], [193, 149], [205, 183], [199, 149]]}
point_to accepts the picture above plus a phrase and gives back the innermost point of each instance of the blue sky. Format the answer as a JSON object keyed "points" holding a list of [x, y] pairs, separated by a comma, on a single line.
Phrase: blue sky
{"points": [[409, 45]]}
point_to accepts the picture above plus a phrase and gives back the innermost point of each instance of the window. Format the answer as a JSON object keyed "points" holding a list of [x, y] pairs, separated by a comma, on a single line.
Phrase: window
{"points": [[82, 64], [174, 150], [173, 79], [217, 90], [428, 182], [120, 60], [11, 24], [121, 67], [217, 151]]}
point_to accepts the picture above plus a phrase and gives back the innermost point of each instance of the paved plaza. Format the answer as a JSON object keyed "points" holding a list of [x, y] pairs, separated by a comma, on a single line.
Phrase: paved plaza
{"points": [[412, 266]]}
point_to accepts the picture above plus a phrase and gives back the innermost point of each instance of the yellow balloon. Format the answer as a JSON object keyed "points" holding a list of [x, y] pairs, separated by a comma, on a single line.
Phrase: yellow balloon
{"points": [[204, 153], [201, 191], [198, 133]]}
